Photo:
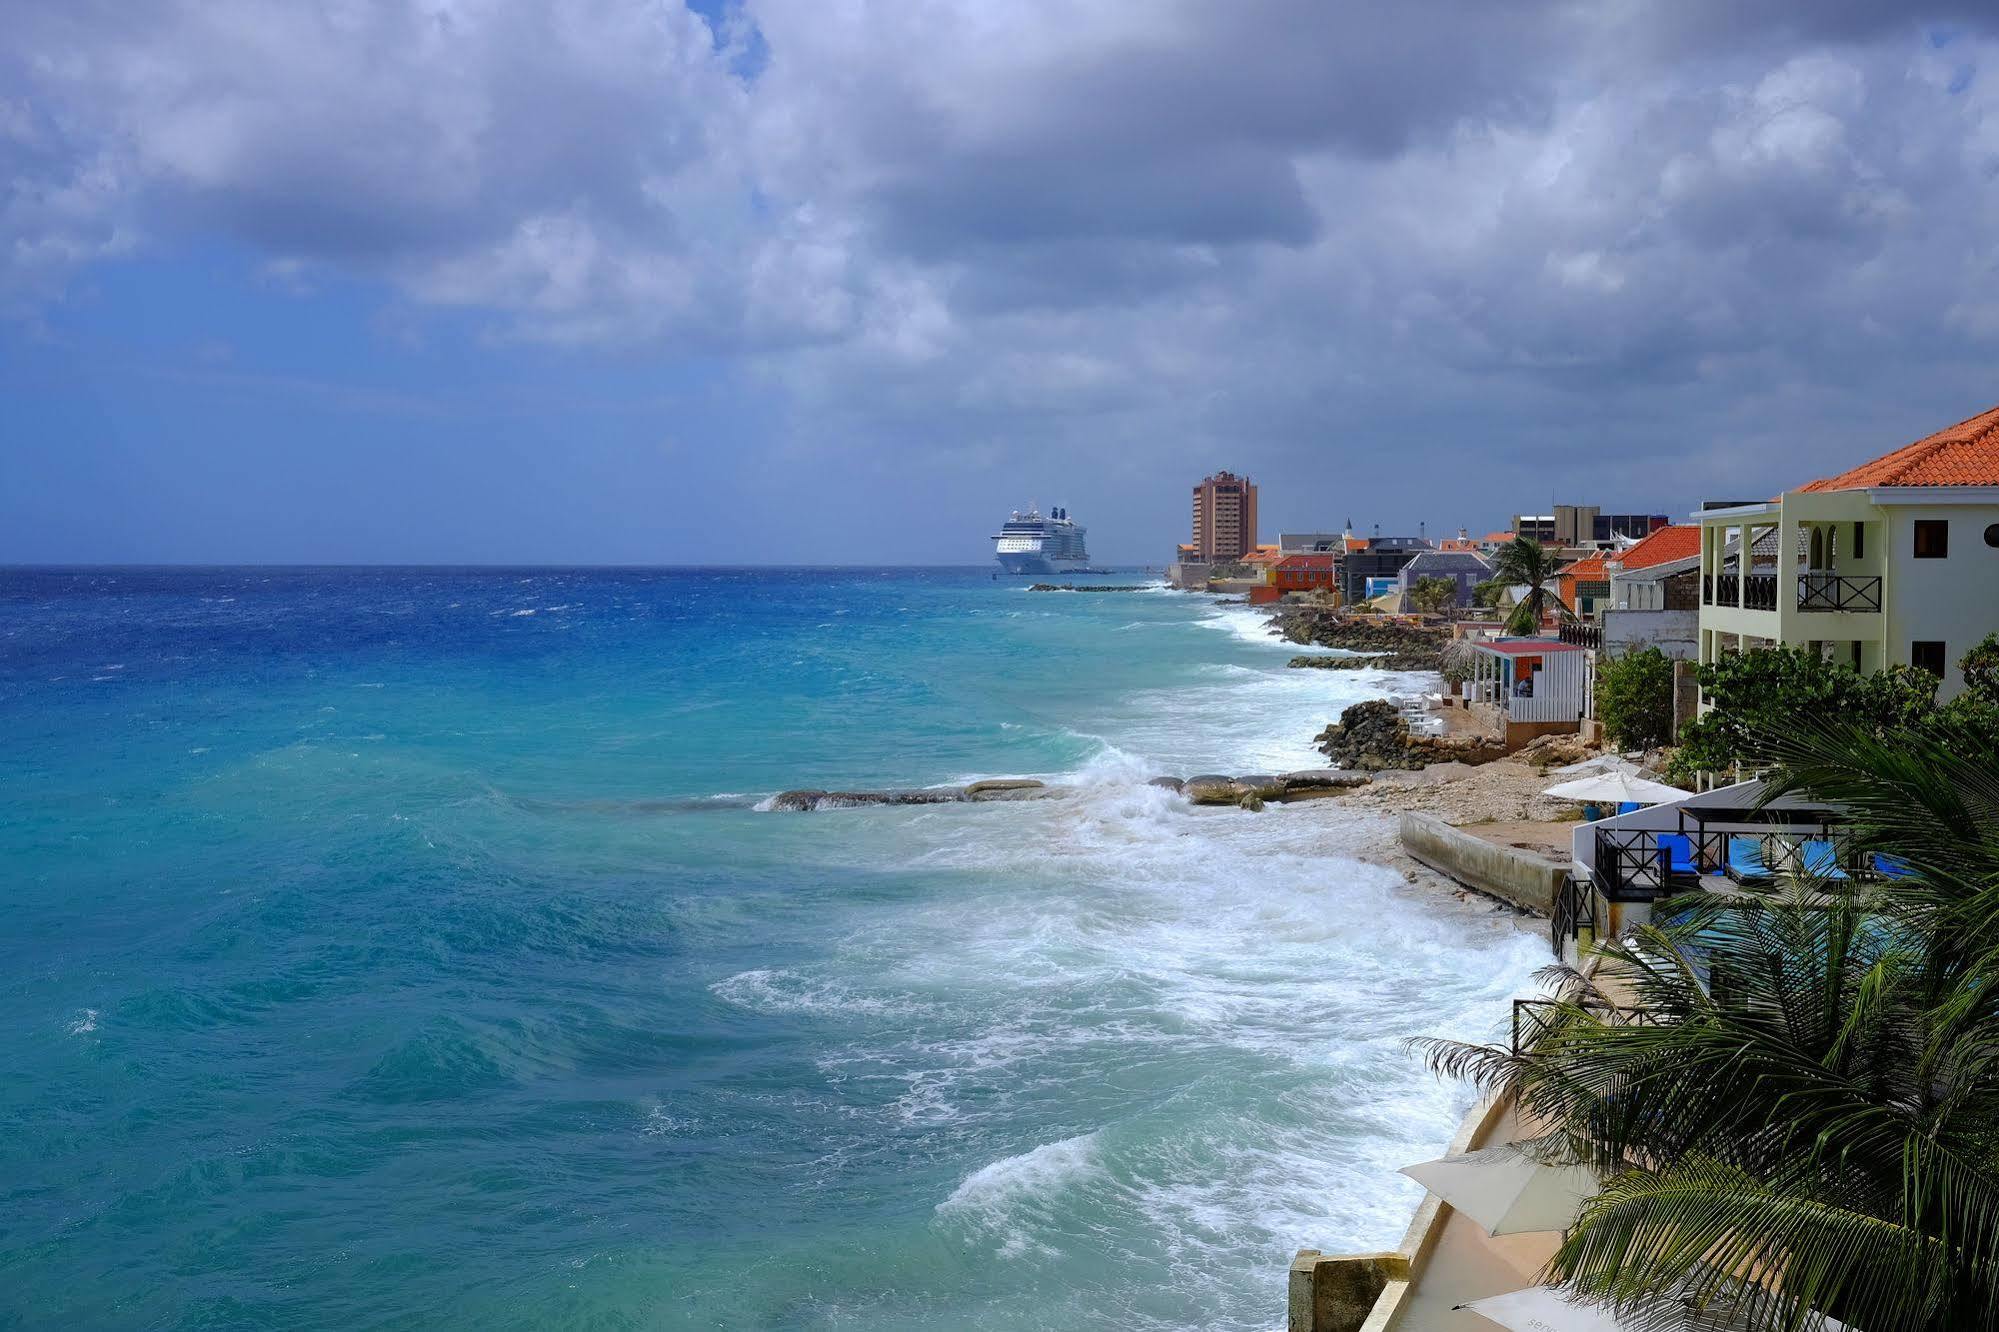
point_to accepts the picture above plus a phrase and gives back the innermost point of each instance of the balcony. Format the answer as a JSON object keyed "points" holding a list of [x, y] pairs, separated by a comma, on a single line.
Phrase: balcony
{"points": [[1835, 592], [1755, 592]]}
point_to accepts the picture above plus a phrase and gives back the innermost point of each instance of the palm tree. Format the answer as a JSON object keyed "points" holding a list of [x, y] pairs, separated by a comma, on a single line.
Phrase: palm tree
{"points": [[1800, 1114], [1435, 595], [1524, 560]]}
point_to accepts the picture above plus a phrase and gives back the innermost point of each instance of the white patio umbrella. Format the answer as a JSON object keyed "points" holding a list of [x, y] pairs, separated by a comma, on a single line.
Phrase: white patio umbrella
{"points": [[1602, 763], [1545, 1309], [1507, 1191], [1614, 788]]}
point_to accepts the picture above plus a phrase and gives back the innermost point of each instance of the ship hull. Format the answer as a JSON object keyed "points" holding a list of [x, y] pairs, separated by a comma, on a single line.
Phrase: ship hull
{"points": [[1027, 562]]}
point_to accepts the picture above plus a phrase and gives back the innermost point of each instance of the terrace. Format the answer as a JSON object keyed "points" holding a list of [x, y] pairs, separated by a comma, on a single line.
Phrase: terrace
{"points": [[1714, 841]]}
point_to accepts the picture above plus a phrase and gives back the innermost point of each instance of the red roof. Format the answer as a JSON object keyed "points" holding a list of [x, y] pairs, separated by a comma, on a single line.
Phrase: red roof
{"points": [[1966, 454], [1497, 538], [1356, 543], [1458, 543], [1663, 546], [1313, 561]]}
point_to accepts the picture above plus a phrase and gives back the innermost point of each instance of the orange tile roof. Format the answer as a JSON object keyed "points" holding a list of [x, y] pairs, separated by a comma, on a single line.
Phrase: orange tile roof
{"points": [[1591, 568], [1665, 544], [1966, 454], [1495, 538], [1356, 543], [1458, 543]]}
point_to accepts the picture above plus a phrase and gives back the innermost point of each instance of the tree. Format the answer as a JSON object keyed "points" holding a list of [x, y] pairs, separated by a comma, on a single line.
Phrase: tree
{"points": [[1634, 698], [1435, 595], [1524, 561], [1762, 691], [1805, 1121]]}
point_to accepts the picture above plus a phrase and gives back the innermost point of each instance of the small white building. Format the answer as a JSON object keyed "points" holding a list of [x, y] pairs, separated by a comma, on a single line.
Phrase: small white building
{"points": [[1894, 562], [1539, 686]]}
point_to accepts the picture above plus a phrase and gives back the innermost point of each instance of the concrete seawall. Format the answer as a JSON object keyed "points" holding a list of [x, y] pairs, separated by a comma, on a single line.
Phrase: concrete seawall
{"points": [[1520, 877]]}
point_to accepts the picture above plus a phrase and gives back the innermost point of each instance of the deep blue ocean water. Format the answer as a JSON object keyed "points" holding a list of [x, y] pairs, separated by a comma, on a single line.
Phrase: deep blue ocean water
{"points": [[405, 949]]}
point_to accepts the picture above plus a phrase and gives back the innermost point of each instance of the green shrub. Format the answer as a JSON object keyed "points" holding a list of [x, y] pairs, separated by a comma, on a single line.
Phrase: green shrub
{"points": [[1634, 698]]}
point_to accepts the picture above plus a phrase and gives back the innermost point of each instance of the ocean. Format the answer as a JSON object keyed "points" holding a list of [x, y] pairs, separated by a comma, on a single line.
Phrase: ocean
{"points": [[407, 949]]}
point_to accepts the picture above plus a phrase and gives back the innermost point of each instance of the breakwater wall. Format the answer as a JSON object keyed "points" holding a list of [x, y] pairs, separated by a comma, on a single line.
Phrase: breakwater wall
{"points": [[1249, 792], [1521, 878]]}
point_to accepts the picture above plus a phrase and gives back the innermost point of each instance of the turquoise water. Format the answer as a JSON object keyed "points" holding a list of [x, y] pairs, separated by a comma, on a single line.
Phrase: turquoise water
{"points": [[405, 949]]}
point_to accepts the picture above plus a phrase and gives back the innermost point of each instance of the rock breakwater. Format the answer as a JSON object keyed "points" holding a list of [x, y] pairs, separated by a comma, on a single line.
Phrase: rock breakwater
{"points": [[1250, 792], [1373, 736], [1395, 645]]}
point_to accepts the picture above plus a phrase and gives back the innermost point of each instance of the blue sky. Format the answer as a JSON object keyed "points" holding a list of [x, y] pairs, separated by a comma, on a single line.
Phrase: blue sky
{"points": [[609, 281]]}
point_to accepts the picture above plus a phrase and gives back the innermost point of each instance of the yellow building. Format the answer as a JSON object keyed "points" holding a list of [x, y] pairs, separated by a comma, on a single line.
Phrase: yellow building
{"points": [[1894, 562]]}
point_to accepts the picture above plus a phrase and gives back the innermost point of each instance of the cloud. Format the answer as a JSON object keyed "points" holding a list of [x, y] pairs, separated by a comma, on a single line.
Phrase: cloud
{"points": [[1280, 231]]}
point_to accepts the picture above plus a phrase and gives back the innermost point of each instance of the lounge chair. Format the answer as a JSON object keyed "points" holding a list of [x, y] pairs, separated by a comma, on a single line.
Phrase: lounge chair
{"points": [[1629, 807], [1676, 856], [1821, 859], [1745, 860], [1892, 867]]}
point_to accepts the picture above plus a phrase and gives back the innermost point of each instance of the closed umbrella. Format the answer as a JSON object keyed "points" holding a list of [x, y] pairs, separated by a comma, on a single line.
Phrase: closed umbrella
{"points": [[1507, 1191], [1606, 788], [1545, 1309]]}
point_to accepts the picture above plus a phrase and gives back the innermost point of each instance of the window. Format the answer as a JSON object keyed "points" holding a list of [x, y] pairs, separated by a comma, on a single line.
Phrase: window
{"points": [[1927, 655], [1859, 540], [1932, 538], [1992, 535]]}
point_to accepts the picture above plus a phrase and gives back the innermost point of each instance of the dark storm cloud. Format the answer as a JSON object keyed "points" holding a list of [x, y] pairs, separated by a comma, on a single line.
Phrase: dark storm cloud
{"points": [[1735, 233]]}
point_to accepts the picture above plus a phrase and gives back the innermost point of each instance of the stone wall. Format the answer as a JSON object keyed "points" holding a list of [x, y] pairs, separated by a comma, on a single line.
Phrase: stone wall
{"points": [[1520, 877]]}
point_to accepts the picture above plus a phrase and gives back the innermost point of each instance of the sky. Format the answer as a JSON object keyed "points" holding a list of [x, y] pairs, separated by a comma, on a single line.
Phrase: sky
{"points": [[827, 281]]}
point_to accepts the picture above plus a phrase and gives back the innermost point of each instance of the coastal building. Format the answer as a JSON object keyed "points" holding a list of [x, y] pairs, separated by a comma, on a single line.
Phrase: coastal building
{"points": [[1305, 543], [1536, 686], [1371, 565], [1464, 569], [1224, 518], [1585, 526], [1583, 586], [1655, 594], [1302, 573], [1893, 562]]}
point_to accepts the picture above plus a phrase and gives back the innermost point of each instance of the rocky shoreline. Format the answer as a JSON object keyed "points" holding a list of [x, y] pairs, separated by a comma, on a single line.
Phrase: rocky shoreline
{"points": [[1383, 643]]}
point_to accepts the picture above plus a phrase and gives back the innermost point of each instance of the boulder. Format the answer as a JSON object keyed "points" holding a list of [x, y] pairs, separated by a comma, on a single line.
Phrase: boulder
{"points": [[943, 795], [1011, 791], [1210, 789], [794, 801], [1374, 736], [994, 784], [1169, 783], [1261, 785], [1251, 801], [1316, 783]]}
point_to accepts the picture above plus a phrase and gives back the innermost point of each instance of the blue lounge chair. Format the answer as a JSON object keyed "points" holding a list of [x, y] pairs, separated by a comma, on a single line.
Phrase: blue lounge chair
{"points": [[1629, 807], [1745, 859], [1676, 856], [1821, 859], [1893, 867]]}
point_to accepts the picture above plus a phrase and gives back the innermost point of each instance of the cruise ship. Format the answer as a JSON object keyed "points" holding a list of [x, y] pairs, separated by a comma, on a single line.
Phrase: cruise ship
{"points": [[1027, 543]]}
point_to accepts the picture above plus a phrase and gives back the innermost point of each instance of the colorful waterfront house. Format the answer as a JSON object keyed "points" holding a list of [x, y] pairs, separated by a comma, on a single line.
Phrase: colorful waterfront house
{"points": [[1318, 572], [1893, 562], [1537, 686], [1463, 569], [1584, 586], [1655, 597]]}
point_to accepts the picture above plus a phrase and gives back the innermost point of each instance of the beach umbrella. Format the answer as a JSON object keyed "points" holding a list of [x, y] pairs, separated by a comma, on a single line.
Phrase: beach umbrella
{"points": [[1507, 1191], [1545, 1309], [1602, 763], [1607, 788]]}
